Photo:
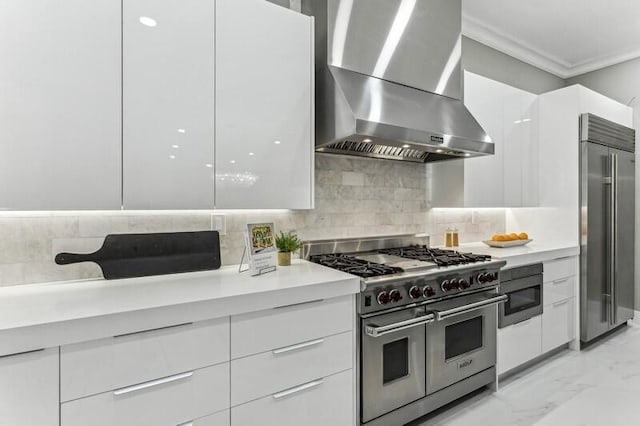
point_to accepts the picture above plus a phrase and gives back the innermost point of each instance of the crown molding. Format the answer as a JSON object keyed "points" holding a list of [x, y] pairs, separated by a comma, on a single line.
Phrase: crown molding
{"points": [[525, 52]]}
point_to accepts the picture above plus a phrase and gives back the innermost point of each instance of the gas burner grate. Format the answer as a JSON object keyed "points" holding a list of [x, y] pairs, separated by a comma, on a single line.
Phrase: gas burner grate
{"points": [[351, 265], [440, 257]]}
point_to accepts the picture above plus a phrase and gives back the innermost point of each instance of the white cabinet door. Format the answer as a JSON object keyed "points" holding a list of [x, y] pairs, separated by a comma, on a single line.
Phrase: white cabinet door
{"points": [[60, 105], [29, 389], [508, 115], [322, 402], [168, 104], [557, 324], [264, 106], [519, 343]]}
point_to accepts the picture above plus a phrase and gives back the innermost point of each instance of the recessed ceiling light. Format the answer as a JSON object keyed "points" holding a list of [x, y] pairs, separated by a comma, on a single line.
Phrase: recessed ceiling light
{"points": [[524, 120], [251, 154], [175, 146], [367, 140], [467, 155], [209, 165], [277, 142], [148, 22], [233, 161], [172, 157], [182, 131]]}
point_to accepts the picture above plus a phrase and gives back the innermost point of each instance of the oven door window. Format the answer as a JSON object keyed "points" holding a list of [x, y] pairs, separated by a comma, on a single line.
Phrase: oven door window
{"points": [[521, 300], [395, 360], [463, 337]]}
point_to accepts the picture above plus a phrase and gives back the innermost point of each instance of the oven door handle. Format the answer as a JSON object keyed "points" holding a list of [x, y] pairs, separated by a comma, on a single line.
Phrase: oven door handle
{"points": [[377, 331], [441, 315]]}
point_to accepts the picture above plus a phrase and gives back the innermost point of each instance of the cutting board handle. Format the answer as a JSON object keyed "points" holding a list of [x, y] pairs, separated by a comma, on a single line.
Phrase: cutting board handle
{"points": [[69, 258]]}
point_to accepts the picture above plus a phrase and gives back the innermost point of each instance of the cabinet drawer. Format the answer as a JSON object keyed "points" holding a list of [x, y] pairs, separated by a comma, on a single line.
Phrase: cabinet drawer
{"points": [[276, 328], [93, 367], [519, 343], [322, 402], [29, 389], [557, 324], [175, 400], [559, 289], [263, 374], [561, 268], [222, 418]]}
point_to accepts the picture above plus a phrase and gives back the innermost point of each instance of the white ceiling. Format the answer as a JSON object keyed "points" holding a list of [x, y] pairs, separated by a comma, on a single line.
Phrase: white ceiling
{"points": [[564, 37]]}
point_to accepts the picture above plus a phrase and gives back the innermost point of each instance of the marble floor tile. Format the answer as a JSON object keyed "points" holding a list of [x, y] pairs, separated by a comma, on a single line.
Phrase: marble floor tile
{"points": [[596, 386]]}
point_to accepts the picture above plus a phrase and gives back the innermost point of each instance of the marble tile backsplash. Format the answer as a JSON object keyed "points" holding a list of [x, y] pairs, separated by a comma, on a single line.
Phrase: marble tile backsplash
{"points": [[472, 225], [354, 197]]}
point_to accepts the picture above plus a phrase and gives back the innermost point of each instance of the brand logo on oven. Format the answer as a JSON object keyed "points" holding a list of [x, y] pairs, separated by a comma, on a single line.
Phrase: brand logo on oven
{"points": [[464, 364]]}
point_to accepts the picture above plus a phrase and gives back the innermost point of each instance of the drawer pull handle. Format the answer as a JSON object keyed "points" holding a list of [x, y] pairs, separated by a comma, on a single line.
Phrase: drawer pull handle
{"points": [[152, 330], [152, 383], [298, 346], [299, 304], [22, 353], [564, 302], [298, 389], [563, 280]]}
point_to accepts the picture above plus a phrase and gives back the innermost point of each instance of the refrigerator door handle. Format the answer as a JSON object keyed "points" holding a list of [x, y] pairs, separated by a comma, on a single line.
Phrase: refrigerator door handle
{"points": [[613, 301]]}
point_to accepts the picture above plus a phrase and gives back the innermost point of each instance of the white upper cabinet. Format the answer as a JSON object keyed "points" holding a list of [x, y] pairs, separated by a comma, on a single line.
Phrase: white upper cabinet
{"points": [[60, 105], [559, 139], [168, 104], [264, 106], [508, 115]]}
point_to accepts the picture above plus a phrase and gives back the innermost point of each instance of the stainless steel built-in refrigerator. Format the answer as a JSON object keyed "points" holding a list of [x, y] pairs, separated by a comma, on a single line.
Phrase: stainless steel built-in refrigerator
{"points": [[607, 202]]}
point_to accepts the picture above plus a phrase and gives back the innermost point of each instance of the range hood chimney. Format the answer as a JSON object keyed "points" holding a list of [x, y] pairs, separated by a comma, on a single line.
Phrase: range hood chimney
{"points": [[389, 80]]}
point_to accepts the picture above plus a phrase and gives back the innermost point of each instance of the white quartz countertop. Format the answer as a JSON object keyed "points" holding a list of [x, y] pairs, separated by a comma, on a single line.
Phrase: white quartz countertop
{"points": [[531, 253], [109, 307]]}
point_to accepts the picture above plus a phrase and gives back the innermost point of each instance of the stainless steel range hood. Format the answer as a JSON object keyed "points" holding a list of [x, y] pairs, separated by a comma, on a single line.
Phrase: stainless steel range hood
{"points": [[389, 80]]}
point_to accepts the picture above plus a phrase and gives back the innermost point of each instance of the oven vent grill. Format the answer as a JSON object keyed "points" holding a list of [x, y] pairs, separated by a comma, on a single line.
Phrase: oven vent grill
{"points": [[369, 149]]}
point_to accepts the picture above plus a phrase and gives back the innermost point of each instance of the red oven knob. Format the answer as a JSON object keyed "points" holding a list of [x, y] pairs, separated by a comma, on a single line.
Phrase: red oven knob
{"points": [[455, 284], [383, 298], [446, 285], [464, 284], [395, 296], [428, 292], [415, 292], [482, 278]]}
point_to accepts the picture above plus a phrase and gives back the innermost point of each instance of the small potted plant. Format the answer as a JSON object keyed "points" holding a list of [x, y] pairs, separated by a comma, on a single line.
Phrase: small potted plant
{"points": [[287, 243]]}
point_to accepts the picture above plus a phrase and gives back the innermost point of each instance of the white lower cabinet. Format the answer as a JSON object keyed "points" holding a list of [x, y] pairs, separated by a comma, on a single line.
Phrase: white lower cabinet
{"points": [[290, 365], [322, 402], [289, 325], [529, 339], [557, 324], [169, 401], [519, 343], [29, 389], [294, 365], [97, 366], [258, 375]]}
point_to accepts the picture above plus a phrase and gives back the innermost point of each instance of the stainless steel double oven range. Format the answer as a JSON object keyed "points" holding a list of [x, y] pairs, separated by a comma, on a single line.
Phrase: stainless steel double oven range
{"points": [[428, 322]]}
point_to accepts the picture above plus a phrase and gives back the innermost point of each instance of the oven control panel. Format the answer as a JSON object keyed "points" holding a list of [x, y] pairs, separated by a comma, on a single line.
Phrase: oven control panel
{"points": [[381, 296]]}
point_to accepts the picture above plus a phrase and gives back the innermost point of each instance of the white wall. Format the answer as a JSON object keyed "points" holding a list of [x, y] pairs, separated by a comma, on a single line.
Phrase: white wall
{"points": [[488, 62]]}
